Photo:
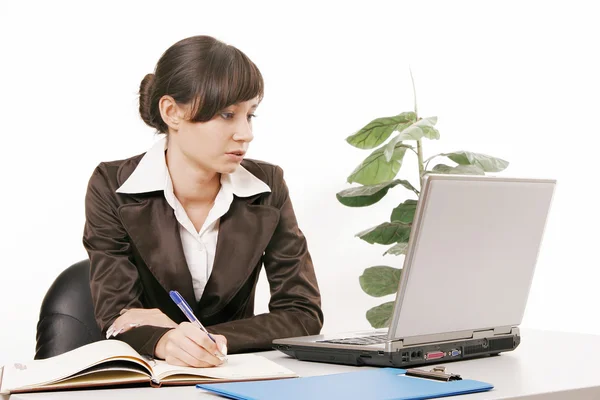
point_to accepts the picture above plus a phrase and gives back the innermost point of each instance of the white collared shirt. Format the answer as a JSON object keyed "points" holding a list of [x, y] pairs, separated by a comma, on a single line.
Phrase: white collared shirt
{"points": [[199, 247]]}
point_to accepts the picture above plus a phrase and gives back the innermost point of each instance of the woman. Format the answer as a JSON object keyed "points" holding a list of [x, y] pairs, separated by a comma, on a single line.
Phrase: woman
{"points": [[192, 215]]}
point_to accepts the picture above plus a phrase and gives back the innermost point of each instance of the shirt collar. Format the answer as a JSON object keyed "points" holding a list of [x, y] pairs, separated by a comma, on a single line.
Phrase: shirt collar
{"points": [[152, 174]]}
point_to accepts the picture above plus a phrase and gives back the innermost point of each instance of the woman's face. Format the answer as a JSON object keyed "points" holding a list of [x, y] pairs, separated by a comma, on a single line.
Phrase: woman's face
{"points": [[218, 145]]}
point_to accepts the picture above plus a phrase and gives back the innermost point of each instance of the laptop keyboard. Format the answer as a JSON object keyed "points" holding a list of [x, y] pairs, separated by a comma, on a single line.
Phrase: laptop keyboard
{"points": [[365, 340]]}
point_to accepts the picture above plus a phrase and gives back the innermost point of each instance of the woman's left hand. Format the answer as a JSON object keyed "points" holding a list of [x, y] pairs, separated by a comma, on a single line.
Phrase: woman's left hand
{"points": [[134, 317]]}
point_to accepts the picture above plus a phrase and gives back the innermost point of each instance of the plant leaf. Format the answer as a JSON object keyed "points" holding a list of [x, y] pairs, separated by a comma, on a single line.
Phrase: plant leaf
{"points": [[374, 169], [397, 249], [421, 128], [405, 212], [380, 280], [483, 161], [378, 130], [458, 170], [381, 316], [386, 233], [370, 194]]}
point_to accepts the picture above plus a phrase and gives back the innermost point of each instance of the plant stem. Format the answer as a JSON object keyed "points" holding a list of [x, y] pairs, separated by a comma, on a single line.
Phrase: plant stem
{"points": [[419, 145], [420, 157], [429, 160], [414, 90], [427, 164]]}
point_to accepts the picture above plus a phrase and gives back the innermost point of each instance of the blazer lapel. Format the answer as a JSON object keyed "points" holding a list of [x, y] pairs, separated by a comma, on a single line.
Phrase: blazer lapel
{"points": [[154, 230], [244, 233]]}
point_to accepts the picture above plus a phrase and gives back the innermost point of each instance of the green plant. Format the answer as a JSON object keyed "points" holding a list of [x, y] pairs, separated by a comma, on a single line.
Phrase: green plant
{"points": [[377, 174]]}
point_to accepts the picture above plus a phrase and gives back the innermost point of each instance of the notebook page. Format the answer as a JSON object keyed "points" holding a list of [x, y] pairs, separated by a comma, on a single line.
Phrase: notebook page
{"points": [[237, 367], [41, 372], [97, 379]]}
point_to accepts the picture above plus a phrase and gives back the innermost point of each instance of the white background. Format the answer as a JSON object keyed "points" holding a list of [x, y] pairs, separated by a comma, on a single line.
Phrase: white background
{"points": [[517, 80]]}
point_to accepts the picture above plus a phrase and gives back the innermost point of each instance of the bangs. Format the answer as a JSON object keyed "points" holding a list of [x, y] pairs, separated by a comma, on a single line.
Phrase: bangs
{"points": [[229, 77]]}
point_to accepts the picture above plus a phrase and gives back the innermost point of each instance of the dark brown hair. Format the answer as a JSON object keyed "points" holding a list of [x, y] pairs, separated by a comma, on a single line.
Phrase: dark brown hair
{"points": [[203, 72]]}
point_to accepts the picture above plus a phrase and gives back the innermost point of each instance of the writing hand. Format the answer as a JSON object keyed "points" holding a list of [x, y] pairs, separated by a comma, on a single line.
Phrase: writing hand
{"points": [[186, 345]]}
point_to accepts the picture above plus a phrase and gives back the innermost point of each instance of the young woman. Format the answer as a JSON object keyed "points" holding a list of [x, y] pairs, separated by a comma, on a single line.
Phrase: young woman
{"points": [[192, 215]]}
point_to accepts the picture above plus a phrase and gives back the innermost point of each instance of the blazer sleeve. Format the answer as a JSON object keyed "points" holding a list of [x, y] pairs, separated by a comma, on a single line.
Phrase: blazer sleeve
{"points": [[295, 304], [114, 279]]}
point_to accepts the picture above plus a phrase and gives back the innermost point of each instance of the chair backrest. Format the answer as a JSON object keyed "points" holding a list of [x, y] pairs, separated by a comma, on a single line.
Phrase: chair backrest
{"points": [[67, 314]]}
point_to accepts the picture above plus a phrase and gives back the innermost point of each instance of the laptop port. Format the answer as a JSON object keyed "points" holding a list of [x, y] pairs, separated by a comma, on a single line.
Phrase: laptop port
{"points": [[415, 355], [454, 352], [434, 355]]}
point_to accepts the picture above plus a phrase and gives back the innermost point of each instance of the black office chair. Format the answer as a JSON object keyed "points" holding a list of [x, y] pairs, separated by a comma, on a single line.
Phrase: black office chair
{"points": [[67, 314]]}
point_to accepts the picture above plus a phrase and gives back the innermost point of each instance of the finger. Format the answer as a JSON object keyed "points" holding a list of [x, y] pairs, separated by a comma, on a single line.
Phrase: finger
{"points": [[152, 317], [110, 331], [122, 324], [125, 328], [116, 326], [174, 350], [132, 318], [199, 337], [121, 321], [179, 338], [221, 343], [198, 352], [175, 361]]}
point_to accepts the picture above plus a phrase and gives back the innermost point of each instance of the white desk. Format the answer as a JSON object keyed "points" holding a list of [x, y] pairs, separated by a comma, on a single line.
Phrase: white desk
{"points": [[547, 365]]}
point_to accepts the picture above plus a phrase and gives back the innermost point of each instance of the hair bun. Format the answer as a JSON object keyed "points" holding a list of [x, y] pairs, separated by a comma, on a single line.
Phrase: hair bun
{"points": [[146, 89]]}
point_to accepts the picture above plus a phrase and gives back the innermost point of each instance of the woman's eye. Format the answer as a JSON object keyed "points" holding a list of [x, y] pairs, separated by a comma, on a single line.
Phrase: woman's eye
{"points": [[230, 115]]}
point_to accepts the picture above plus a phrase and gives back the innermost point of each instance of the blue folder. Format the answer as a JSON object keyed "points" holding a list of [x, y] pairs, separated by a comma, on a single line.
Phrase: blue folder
{"points": [[374, 384]]}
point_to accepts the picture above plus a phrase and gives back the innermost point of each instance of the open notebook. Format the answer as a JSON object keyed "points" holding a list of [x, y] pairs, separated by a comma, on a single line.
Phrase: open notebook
{"points": [[112, 362]]}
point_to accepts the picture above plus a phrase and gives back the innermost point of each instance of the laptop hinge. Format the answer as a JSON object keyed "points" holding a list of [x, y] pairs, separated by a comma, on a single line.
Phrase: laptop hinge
{"points": [[502, 330], [451, 336]]}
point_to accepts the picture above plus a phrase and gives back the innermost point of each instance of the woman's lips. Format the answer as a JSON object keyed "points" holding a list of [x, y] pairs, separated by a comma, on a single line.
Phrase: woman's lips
{"points": [[236, 156]]}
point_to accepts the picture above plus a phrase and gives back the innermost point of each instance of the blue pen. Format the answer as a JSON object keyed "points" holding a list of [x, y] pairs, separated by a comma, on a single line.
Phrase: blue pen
{"points": [[187, 310]]}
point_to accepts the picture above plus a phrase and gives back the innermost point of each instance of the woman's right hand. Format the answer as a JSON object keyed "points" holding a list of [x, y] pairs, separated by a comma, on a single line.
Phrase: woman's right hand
{"points": [[186, 345]]}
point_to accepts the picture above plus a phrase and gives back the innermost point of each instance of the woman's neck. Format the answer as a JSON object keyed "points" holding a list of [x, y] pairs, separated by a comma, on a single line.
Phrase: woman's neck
{"points": [[192, 185]]}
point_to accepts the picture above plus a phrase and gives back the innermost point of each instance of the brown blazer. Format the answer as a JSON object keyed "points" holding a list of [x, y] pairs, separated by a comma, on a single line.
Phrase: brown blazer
{"points": [[137, 257]]}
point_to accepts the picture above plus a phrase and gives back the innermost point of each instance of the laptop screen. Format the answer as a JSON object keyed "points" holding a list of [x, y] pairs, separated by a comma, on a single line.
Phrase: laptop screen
{"points": [[472, 254]]}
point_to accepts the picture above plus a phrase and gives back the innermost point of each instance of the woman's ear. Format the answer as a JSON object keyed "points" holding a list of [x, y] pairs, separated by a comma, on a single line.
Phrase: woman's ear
{"points": [[171, 112]]}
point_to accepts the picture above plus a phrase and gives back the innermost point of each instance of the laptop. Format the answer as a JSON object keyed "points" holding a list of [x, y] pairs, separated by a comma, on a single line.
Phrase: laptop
{"points": [[466, 277]]}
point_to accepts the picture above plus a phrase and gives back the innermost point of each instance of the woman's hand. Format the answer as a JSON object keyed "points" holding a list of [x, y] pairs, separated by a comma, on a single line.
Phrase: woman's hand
{"points": [[187, 345], [130, 318]]}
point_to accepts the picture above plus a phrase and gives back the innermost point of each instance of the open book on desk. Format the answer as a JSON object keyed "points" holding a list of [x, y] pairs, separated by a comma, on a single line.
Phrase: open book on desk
{"points": [[113, 362]]}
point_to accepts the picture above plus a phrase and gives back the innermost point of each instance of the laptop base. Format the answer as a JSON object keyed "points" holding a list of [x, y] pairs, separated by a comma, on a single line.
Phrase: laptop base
{"points": [[425, 354]]}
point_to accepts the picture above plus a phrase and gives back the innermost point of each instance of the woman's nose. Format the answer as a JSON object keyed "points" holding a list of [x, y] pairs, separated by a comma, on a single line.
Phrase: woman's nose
{"points": [[243, 132]]}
